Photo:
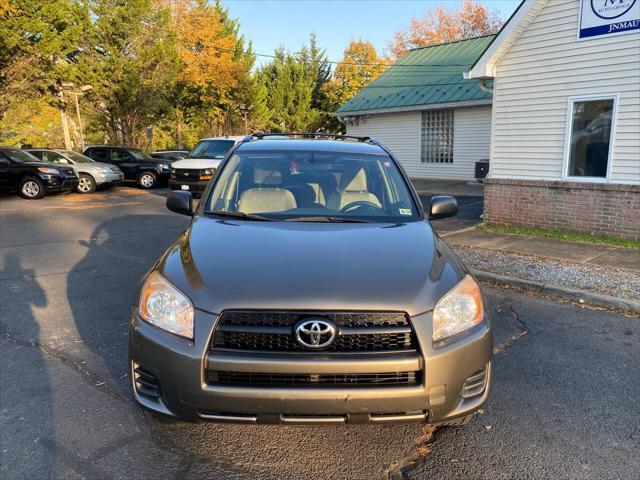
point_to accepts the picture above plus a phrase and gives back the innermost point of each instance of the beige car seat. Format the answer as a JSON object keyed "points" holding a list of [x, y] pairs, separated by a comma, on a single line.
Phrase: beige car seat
{"points": [[352, 188], [267, 197]]}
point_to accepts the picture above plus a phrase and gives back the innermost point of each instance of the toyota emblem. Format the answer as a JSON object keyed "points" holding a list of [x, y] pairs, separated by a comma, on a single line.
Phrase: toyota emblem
{"points": [[315, 333]]}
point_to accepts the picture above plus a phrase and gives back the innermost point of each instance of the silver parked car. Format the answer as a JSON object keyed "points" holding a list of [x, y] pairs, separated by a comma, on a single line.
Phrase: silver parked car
{"points": [[91, 173]]}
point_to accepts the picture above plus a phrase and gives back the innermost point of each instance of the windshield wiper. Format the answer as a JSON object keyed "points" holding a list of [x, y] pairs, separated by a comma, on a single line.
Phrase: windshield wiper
{"points": [[245, 216], [326, 219]]}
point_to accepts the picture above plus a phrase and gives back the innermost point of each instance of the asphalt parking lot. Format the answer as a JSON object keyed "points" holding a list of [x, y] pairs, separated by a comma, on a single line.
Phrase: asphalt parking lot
{"points": [[564, 403]]}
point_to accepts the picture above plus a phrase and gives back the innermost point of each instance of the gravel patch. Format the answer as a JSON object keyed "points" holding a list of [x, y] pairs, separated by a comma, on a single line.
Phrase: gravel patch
{"points": [[592, 278]]}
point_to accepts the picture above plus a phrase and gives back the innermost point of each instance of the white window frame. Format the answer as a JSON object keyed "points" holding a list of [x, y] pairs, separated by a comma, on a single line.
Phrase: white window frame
{"points": [[568, 131]]}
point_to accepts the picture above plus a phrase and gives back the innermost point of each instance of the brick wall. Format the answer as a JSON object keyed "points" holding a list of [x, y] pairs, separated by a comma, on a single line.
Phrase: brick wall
{"points": [[609, 209]]}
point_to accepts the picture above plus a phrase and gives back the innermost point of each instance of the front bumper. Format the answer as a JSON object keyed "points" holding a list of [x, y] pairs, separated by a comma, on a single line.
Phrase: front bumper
{"points": [[57, 183], [196, 186], [180, 367], [102, 178]]}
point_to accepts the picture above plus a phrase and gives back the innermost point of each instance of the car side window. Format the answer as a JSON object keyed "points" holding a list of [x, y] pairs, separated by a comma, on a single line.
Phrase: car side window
{"points": [[4, 160], [54, 157], [98, 154], [120, 156]]}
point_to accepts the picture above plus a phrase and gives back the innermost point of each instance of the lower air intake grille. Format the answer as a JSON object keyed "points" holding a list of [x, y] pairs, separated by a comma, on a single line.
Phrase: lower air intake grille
{"points": [[146, 383], [475, 384], [313, 380]]}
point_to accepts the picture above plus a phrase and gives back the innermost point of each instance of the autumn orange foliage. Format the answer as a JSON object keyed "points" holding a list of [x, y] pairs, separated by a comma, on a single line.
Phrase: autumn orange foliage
{"points": [[440, 25], [5, 7], [205, 48]]}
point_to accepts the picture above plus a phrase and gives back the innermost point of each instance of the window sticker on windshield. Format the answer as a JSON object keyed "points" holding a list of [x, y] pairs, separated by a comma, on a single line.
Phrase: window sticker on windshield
{"points": [[387, 164], [404, 211]]}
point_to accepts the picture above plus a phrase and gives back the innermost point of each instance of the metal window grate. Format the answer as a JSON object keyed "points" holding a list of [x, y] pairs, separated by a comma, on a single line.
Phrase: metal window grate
{"points": [[437, 136]]}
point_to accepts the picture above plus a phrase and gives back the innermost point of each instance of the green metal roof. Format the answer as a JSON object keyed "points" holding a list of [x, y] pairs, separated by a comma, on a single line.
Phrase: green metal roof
{"points": [[424, 76]]}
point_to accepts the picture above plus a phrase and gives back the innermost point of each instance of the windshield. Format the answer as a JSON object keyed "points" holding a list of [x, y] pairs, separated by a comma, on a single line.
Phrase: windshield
{"points": [[76, 157], [19, 156], [138, 154], [313, 186], [211, 149]]}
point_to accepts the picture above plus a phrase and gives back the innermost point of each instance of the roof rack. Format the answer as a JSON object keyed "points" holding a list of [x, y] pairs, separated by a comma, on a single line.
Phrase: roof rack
{"points": [[262, 135]]}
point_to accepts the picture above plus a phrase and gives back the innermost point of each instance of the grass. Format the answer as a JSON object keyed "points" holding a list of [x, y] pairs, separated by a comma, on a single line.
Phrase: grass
{"points": [[561, 235]]}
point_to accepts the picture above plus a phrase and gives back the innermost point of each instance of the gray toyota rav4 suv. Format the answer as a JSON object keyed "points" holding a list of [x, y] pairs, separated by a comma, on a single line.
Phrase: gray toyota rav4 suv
{"points": [[310, 288]]}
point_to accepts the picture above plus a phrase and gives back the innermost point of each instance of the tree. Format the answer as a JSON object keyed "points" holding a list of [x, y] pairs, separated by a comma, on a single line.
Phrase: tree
{"points": [[440, 25], [214, 68], [289, 86], [5, 7], [320, 71], [131, 58], [39, 48], [359, 66]]}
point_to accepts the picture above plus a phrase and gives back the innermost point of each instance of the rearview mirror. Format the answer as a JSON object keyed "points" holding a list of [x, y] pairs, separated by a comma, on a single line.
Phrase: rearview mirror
{"points": [[180, 202], [443, 206]]}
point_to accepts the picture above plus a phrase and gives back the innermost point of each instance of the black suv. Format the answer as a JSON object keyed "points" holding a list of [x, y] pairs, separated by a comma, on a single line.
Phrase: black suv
{"points": [[33, 179], [148, 172]]}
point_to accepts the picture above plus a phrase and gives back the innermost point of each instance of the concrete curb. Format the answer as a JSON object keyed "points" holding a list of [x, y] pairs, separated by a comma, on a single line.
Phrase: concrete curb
{"points": [[564, 292]]}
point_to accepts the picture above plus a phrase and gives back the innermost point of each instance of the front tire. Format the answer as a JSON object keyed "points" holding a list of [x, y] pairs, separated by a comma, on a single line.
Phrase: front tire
{"points": [[147, 180], [86, 184], [32, 188]]}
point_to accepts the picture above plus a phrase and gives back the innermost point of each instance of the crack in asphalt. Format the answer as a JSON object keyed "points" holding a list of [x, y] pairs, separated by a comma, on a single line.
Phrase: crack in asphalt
{"points": [[523, 329], [399, 469], [90, 377]]}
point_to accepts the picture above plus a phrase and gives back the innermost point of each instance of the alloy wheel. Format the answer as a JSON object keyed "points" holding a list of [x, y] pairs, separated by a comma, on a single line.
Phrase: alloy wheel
{"points": [[84, 185], [30, 189]]}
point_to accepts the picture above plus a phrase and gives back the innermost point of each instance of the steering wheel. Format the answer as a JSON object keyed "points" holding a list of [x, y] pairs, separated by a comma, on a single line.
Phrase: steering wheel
{"points": [[359, 203]]}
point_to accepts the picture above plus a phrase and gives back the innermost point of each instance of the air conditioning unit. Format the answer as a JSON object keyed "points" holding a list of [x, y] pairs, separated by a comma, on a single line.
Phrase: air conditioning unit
{"points": [[482, 168]]}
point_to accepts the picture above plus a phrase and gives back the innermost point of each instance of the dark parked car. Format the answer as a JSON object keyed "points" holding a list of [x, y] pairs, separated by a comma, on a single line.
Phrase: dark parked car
{"points": [[172, 155], [310, 288], [146, 171], [22, 172]]}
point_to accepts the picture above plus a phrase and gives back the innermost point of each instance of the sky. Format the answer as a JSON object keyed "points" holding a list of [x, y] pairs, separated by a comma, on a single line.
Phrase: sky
{"points": [[273, 23]]}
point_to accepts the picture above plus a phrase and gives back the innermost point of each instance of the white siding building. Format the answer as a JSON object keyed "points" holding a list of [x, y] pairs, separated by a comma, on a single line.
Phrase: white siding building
{"points": [[401, 133], [434, 121], [565, 148]]}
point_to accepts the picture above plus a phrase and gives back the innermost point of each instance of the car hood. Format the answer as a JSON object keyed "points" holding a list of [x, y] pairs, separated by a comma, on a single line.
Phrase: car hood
{"points": [[229, 264], [196, 163], [95, 166]]}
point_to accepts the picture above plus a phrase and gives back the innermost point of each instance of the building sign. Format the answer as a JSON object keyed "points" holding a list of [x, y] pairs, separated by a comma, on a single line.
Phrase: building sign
{"points": [[608, 17]]}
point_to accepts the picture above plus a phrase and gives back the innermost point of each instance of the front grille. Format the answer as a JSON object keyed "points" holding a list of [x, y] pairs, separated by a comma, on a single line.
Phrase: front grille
{"points": [[272, 332], [190, 174], [314, 380]]}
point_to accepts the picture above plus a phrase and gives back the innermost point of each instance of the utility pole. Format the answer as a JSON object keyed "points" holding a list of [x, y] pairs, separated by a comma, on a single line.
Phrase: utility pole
{"points": [[75, 96], [65, 120]]}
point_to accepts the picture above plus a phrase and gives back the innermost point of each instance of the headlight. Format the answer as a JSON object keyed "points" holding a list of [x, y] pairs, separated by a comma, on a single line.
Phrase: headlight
{"points": [[459, 310], [207, 172], [164, 306], [51, 171]]}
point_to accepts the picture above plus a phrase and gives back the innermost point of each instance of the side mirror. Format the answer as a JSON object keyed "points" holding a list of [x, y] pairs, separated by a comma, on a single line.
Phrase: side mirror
{"points": [[443, 206], [180, 202]]}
